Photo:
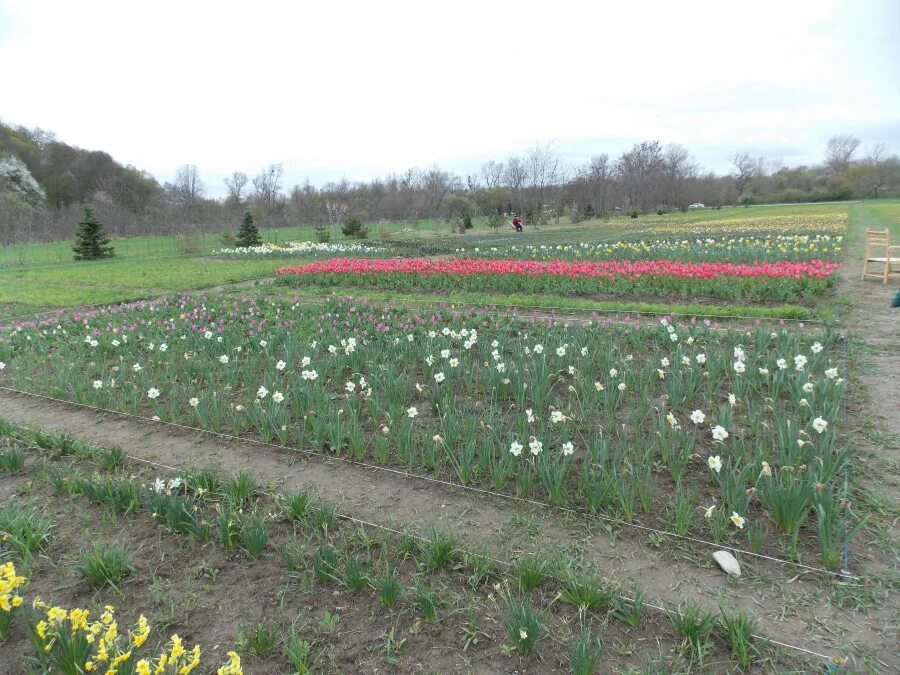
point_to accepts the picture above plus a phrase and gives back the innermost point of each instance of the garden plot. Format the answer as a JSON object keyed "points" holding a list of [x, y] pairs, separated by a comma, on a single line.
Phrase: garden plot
{"points": [[766, 282], [311, 591], [724, 435]]}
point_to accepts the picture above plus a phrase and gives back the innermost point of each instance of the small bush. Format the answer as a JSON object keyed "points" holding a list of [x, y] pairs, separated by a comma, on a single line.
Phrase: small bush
{"points": [[187, 243], [633, 213], [323, 234]]}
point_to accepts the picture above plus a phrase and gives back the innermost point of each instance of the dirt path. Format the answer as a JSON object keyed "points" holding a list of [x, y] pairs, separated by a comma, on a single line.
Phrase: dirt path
{"points": [[792, 608]]}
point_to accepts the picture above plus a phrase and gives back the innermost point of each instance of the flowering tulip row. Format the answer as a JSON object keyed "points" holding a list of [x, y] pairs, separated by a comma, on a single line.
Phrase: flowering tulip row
{"points": [[834, 224], [763, 281], [738, 248], [612, 416]]}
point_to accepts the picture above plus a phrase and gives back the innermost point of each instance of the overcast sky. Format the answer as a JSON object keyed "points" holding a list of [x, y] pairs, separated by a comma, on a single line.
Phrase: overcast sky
{"points": [[361, 89]]}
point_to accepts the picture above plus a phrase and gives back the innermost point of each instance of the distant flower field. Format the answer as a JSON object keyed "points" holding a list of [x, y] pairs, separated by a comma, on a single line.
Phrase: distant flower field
{"points": [[732, 435]]}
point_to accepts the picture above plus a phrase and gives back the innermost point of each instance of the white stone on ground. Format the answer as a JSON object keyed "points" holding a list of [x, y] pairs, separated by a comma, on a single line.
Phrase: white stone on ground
{"points": [[727, 562]]}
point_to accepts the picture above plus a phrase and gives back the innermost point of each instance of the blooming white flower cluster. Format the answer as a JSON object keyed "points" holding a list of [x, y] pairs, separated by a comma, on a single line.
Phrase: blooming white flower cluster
{"points": [[297, 248]]}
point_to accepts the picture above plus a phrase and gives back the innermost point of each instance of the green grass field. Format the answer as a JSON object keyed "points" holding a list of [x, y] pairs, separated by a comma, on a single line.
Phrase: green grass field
{"points": [[30, 290]]}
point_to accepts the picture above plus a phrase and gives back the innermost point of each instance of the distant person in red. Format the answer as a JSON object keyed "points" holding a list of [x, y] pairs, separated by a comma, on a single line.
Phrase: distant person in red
{"points": [[517, 224]]}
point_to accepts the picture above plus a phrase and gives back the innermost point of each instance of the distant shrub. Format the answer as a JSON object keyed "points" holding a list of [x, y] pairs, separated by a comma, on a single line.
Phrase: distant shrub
{"points": [[633, 213], [323, 234], [467, 222], [354, 228], [384, 234], [495, 221], [248, 235], [188, 243], [91, 242]]}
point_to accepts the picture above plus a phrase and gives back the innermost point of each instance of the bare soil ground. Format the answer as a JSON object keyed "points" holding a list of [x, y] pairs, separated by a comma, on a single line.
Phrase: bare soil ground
{"points": [[212, 596]]}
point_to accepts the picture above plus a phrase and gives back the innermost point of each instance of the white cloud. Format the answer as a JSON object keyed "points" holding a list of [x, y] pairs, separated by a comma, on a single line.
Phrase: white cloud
{"points": [[362, 88]]}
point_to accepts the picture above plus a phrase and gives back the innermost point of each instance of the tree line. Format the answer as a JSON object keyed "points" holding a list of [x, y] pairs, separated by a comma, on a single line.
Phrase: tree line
{"points": [[43, 182]]}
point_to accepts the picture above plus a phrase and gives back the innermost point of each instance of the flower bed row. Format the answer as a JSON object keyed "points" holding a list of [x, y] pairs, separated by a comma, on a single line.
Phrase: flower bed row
{"points": [[743, 248], [750, 420], [761, 281]]}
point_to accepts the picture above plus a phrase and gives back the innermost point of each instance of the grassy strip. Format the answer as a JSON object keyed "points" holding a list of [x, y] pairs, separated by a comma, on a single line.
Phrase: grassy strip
{"points": [[559, 302], [121, 280]]}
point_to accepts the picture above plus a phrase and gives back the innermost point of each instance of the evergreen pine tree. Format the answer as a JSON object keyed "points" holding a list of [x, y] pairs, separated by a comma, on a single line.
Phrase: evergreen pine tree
{"points": [[91, 243], [248, 235]]}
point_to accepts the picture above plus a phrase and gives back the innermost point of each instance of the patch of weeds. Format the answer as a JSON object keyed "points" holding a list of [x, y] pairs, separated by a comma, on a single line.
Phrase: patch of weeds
{"points": [[329, 621], [24, 528], [356, 576], [530, 571], [294, 555], [470, 631], [261, 639], [438, 549], [120, 496], [481, 568], [254, 534], [112, 458], [391, 646], [239, 489], [12, 459], [389, 587], [325, 564], [739, 626], [297, 506], [427, 602], [585, 652], [324, 518], [586, 592], [106, 564], [299, 653], [694, 625], [631, 611]]}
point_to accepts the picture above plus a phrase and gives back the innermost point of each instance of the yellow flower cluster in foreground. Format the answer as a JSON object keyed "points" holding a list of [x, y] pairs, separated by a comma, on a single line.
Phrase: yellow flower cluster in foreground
{"points": [[72, 643], [9, 582]]}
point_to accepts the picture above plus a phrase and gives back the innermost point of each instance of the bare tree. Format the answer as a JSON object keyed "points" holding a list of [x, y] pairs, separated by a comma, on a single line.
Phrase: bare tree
{"points": [[492, 172], [598, 175], [839, 152], [235, 186], [744, 169], [542, 165], [877, 153], [267, 184], [514, 178], [188, 187], [640, 171], [438, 184], [678, 171]]}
